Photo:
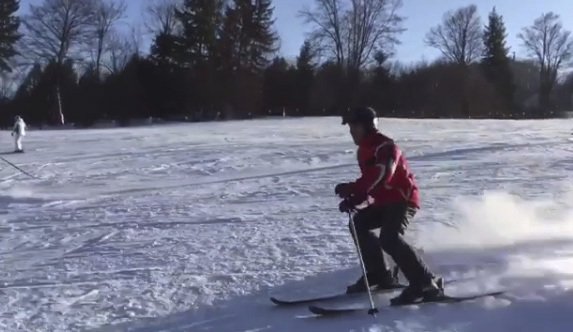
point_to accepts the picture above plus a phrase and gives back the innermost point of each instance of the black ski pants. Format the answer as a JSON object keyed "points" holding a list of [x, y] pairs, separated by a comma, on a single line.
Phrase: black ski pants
{"points": [[392, 220]]}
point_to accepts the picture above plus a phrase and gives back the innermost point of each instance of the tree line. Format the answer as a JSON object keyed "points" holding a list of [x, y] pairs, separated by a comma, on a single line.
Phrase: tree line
{"points": [[70, 61]]}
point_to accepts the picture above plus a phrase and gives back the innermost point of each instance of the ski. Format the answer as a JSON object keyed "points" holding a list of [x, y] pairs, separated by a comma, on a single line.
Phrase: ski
{"points": [[283, 302], [453, 299], [324, 311], [340, 296]]}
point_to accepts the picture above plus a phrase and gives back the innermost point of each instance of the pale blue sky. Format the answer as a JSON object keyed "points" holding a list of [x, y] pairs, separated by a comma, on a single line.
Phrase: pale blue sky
{"points": [[420, 15]]}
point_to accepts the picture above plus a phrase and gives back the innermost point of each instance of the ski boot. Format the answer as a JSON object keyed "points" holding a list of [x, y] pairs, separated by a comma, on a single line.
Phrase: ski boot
{"points": [[415, 293], [377, 281]]}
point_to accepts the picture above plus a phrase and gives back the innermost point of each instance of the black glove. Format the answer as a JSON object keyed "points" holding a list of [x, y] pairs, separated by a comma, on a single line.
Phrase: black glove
{"points": [[346, 206], [343, 190]]}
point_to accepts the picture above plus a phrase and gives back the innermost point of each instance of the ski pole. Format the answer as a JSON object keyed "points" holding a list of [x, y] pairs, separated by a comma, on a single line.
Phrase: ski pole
{"points": [[18, 168], [373, 310]]}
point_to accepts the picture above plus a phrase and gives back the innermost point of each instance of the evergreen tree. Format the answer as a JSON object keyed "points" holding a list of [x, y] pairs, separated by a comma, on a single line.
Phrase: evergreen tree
{"points": [[380, 84], [166, 44], [164, 50], [305, 59], [305, 67], [9, 24], [247, 41], [126, 96], [30, 82], [248, 34], [264, 39], [87, 98], [201, 21], [495, 61], [229, 41], [279, 88]]}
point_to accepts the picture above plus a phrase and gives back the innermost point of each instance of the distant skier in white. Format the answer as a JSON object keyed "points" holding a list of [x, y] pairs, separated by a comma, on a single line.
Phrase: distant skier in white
{"points": [[18, 133]]}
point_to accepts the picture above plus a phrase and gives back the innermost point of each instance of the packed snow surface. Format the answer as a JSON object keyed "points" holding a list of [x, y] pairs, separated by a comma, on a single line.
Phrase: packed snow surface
{"points": [[192, 227]]}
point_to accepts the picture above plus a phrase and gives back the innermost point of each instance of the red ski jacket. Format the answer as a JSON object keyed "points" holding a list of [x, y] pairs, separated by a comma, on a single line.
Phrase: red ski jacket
{"points": [[386, 177]]}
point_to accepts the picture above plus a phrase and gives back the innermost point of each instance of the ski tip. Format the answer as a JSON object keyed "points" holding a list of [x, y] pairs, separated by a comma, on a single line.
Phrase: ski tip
{"points": [[294, 302], [279, 302], [330, 312], [315, 310], [320, 311]]}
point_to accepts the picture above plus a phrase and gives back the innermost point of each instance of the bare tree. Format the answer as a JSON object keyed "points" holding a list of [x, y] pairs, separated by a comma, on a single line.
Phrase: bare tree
{"points": [[120, 48], [353, 30], [552, 47], [459, 37], [136, 38], [8, 84], [107, 14], [161, 18], [10, 80], [57, 30]]}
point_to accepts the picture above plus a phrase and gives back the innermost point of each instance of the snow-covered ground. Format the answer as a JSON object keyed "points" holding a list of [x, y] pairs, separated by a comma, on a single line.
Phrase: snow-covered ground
{"points": [[191, 227]]}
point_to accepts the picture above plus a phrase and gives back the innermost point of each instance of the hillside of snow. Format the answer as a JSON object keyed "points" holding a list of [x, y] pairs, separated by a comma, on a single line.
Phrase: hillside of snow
{"points": [[192, 227]]}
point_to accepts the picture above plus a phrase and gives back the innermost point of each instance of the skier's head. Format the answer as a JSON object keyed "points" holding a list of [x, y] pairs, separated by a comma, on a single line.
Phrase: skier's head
{"points": [[17, 118], [361, 120]]}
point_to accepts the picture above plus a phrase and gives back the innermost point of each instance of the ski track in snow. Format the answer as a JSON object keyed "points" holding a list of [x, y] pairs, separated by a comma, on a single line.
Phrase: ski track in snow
{"points": [[192, 227]]}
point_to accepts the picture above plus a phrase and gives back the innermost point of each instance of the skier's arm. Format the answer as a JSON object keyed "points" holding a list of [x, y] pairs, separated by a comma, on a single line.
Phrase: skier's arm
{"points": [[379, 172], [394, 155]]}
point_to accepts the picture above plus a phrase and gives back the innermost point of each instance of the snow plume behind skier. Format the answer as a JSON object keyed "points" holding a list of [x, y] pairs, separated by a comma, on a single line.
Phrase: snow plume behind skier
{"points": [[389, 189], [18, 132], [499, 219]]}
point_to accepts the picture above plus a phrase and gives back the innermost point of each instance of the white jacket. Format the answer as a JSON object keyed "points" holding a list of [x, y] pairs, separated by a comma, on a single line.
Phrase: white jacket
{"points": [[19, 127]]}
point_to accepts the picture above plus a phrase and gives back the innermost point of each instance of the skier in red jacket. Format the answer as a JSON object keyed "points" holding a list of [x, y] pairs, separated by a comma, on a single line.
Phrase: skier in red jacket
{"points": [[388, 189]]}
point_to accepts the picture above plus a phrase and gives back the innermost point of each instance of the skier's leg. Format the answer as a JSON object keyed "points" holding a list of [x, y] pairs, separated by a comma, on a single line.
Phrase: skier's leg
{"points": [[368, 241], [420, 278], [18, 143], [365, 222], [393, 242]]}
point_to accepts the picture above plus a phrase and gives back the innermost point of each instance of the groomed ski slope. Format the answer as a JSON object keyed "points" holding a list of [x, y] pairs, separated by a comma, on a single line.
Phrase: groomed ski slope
{"points": [[192, 227]]}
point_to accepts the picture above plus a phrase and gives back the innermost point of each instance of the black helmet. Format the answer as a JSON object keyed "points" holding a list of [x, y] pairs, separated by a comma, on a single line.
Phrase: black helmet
{"points": [[363, 115]]}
